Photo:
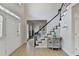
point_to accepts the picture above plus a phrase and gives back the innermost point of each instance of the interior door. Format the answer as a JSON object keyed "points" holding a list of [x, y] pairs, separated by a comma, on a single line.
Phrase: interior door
{"points": [[77, 35], [12, 40]]}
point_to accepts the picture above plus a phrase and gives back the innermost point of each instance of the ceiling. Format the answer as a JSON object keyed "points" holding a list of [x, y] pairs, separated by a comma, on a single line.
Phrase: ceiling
{"points": [[15, 8], [21, 9]]}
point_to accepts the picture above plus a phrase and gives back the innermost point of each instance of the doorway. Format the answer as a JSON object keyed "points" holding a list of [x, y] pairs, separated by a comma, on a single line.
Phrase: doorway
{"points": [[75, 17]]}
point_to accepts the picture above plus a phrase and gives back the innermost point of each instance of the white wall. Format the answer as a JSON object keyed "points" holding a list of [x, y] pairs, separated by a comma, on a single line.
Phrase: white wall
{"points": [[19, 11], [42, 11], [11, 40], [67, 33]]}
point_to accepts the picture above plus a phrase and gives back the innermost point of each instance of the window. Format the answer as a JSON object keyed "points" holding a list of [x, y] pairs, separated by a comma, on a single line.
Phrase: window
{"points": [[1, 25]]}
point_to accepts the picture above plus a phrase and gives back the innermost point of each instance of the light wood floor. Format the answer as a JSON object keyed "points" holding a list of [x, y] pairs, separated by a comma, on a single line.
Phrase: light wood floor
{"points": [[38, 52]]}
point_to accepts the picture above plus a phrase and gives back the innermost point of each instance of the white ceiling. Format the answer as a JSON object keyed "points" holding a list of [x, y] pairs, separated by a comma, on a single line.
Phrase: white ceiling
{"points": [[22, 9], [41, 10], [15, 8]]}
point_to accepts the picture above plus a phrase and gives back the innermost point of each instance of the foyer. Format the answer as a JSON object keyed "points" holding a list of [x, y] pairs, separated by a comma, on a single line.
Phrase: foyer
{"points": [[39, 29], [38, 52]]}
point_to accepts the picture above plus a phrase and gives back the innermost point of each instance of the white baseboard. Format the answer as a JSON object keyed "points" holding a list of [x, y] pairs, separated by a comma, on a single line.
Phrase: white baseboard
{"points": [[16, 48], [68, 53]]}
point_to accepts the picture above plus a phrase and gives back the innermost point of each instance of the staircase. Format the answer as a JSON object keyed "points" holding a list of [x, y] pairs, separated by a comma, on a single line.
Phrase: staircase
{"points": [[43, 41], [41, 44]]}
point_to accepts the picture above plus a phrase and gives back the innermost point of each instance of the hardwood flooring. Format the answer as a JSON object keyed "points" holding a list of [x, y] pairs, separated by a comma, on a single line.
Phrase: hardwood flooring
{"points": [[22, 51]]}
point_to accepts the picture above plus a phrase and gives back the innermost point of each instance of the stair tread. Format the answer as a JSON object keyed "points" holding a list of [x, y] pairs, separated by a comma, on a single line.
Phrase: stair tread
{"points": [[42, 39], [37, 45], [40, 42]]}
